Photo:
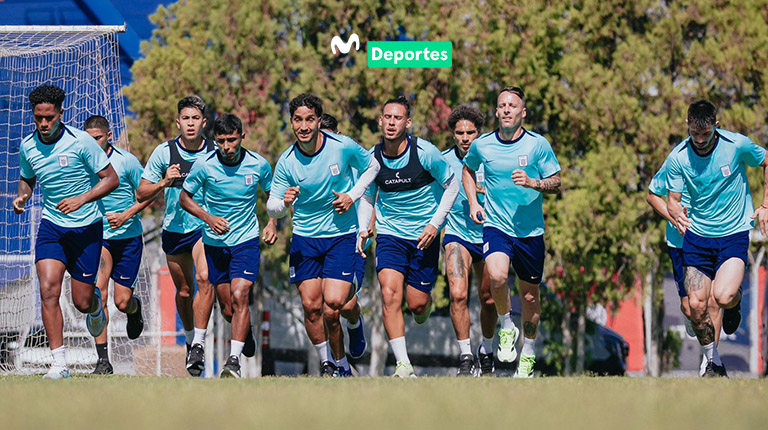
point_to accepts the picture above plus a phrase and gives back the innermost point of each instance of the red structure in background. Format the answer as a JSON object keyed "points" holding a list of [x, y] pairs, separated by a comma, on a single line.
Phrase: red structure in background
{"points": [[761, 321], [167, 294], [628, 321]]}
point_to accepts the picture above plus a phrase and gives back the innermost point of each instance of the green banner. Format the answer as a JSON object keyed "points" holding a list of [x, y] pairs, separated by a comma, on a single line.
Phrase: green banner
{"points": [[410, 54]]}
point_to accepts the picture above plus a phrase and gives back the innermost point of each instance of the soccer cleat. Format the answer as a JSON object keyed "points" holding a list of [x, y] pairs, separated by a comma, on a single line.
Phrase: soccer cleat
{"points": [[231, 369], [196, 360], [343, 373], [103, 367], [249, 349], [403, 370], [328, 370], [56, 372], [421, 319], [732, 317], [135, 324], [96, 323], [466, 365], [715, 371], [486, 366], [525, 366], [689, 328], [506, 350], [357, 343]]}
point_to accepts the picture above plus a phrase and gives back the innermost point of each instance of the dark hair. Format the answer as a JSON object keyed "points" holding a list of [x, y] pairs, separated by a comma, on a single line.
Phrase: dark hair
{"points": [[47, 94], [96, 121], [328, 122], [514, 90], [468, 113], [227, 124], [702, 114], [306, 100], [193, 101], [401, 100]]}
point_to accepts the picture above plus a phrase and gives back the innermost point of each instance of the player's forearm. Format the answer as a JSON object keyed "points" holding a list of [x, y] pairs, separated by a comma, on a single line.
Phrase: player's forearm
{"points": [[364, 213], [674, 207], [137, 207], [468, 182], [25, 187], [276, 207], [190, 205], [659, 205], [765, 186], [446, 202], [148, 190], [550, 185], [108, 183], [364, 181]]}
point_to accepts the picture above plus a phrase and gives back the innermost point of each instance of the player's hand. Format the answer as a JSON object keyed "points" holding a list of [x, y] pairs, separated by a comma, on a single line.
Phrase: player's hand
{"points": [[71, 204], [521, 178], [291, 194], [116, 220], [362, 239], [682, 222], [342, 203], [172, 173], [218, 224], [761, 215], [477, 213], [427, 236], [269, 234], [18, 204]]}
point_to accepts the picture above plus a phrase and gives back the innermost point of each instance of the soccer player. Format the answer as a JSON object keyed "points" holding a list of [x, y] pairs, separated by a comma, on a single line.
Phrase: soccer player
{"points": [[711, 166], [166, 170], [413, 192], [463, 244], [228, 181], [314, 176], [519, 167], [67, 162], [122, 246]]}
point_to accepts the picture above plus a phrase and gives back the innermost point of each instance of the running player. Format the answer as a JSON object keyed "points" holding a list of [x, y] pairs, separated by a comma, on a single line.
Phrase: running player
{"points": [[463, 244], [228, 181], [314, 176], [122, 246], [413, 192], [711, 166], [67, 162], [519, 166], [166, 169]]}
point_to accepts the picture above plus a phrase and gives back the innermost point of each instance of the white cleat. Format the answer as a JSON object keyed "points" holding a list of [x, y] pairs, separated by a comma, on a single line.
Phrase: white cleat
{"points": [[506, 350], [403, 370], [57, 372]]}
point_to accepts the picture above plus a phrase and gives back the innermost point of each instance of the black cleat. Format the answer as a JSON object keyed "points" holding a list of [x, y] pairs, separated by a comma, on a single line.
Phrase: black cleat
{"points": [[715, 371], [328, 370], [249, 349], [196, 360], [103, 367], [732, 317], [231, 369], [486, 366], [135, 324], [466, 365]]}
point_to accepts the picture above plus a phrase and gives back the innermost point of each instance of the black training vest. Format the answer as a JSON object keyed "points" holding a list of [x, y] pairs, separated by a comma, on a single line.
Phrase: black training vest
{"points": [[184, 165], [411, 177]]}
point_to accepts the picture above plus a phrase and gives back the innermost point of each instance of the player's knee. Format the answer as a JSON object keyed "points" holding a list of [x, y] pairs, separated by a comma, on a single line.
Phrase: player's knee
{"points": [[498, 277], [201, 277], [312, 309], [418, 309], [121, 303], [83, 302], [697, 307], [685, 311], [530, 298], [183, 294], [389, 295], [725, 300], [459, 297], [331, 314], [239, 297]]}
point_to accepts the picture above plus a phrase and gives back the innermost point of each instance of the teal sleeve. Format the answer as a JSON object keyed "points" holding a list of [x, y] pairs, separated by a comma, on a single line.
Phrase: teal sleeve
{"points": [[280, 180], [658, 183], [136, 171], [547, 163], [157, 165], [751, 153], [93, 156], [472, 159], [359, 157], [675, 182], [436, 165], [265, 176], [196, 177], [26, 169]]}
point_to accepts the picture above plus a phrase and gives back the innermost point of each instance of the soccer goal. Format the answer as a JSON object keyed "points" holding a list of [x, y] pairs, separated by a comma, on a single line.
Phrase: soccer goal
{"points": [[84, 62]]}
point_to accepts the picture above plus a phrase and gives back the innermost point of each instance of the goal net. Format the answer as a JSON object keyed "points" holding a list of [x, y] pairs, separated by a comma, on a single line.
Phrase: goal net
{"points": [[84, 62]]}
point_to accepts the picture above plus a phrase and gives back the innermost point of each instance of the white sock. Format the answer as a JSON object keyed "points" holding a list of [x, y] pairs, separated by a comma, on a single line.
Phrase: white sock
{"points": [[189, 335], [464, 347], [235, 348], [528, 346], [506, 321], [322, 351], [703, 365], [199, 336], [398, 348], [487, 346], [59, 357], [343, 363], [355, 325], [710, 351]]}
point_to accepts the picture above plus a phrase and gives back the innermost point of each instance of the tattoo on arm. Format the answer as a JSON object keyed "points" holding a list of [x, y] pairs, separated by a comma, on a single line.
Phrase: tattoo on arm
{"points": [[550, 185], [529, 329]]}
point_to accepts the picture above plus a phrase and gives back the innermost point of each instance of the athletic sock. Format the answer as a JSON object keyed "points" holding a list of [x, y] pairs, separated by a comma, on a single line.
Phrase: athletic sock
{"points": [[487, 346], [133, 306], [101, 351], [343, 363], [322, 351], [189, 335], [506, 321], [399, 349], [465, 347], [59, 356], [528, 347], [199, 336], [235, 348], [355, 325], [710, 351]]}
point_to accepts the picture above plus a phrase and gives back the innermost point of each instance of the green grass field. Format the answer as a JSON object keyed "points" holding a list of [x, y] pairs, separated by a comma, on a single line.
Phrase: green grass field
{"points": [[382, 403]]}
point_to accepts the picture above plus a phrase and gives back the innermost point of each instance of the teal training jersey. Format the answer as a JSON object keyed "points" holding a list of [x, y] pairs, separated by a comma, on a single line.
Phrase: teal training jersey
{"points": [[513, 209], [129, 170], [458, 222], [405, 214], [658, 186], [65, 168], [176, 219], [231, 193], [317, 176], [721, 204]]}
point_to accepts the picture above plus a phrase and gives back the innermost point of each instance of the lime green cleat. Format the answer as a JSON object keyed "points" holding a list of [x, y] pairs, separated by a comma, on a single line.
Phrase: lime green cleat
{"points": [[506, 350], [404, 370], [525, 366], [421, 319]]}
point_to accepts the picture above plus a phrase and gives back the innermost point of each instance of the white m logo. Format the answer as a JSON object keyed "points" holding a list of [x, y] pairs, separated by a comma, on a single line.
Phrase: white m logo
{"points": [[344, 47]]}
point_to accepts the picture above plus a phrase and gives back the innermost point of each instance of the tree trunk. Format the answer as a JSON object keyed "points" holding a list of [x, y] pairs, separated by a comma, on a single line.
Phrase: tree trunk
{"points": [[567, 339], [378, 342], [580, 333]]}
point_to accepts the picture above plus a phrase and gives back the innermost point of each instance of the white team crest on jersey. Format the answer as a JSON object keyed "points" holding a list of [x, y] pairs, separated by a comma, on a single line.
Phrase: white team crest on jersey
{"points": [[479, 176], [335, 169], [63, 161], [249, 179], [522, 160], [726, 170]]}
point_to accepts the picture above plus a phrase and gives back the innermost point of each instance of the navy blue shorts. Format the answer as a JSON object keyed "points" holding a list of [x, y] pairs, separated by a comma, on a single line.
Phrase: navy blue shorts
{"points": [[475, 249], [359, 272], [180, 243], [79, 248], [678, 270], [228, 262], [709, 253], [525, 253], [327, 257], [418, 265], [126, 259]]}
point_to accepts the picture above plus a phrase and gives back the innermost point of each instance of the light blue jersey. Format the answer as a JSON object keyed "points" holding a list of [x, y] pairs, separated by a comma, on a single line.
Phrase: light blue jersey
{"points": [[405, 214], [458, 222], [231, 193], [129, 170], [317, 176], [513, 209], [176, 220], [658, 186], [721, 204], [65, 168]]}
